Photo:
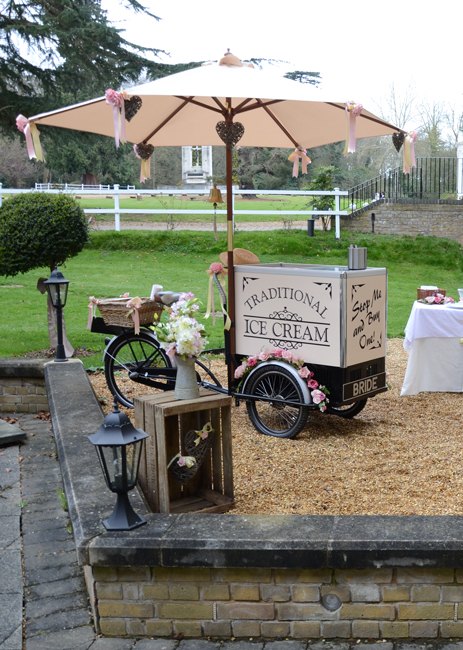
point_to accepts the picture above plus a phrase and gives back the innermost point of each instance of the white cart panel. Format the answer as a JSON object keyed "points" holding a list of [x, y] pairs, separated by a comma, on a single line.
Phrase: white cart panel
{"points": [[291, 307], [366, 314]]}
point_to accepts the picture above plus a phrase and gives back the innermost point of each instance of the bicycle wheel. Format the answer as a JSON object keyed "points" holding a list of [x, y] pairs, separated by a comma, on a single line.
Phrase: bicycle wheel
{"points": [[133, 353], [280, 412], [204, 374], [347, 411]]}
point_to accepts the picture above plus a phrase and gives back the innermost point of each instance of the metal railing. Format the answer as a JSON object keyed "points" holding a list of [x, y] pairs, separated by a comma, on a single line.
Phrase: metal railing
{"points": [[433, 179]]}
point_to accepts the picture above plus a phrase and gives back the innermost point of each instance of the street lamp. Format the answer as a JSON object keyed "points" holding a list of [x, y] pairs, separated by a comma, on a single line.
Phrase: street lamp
{"points": [[57, 287], [118, 444]]}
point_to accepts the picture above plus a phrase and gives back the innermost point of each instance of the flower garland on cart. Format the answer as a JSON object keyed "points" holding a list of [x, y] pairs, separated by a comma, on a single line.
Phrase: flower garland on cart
{"points": [[318, 392]]}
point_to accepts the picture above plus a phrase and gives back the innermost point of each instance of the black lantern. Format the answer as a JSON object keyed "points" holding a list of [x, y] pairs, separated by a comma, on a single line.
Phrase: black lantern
{"points": [[57, 287], [119, 444]]}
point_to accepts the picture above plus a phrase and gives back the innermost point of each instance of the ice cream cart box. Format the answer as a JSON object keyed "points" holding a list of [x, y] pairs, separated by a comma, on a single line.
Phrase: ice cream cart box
{"points": [[330, 316]]}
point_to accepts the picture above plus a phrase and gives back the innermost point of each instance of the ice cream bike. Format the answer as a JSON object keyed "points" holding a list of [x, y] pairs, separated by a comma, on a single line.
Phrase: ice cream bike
{"points": [[305, 337]]}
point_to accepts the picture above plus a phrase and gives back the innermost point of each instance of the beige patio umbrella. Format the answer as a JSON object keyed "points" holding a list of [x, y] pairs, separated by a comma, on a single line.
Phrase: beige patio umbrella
{"points": [[222, 104]]}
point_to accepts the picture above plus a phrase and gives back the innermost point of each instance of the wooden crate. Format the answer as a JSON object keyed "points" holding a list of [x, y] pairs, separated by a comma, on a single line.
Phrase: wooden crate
{"points": [[168, 420]]}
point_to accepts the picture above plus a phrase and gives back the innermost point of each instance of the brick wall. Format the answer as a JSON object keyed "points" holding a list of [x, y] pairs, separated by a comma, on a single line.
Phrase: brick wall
{"points": [[436, 220], [22, 386], [386, 603]]}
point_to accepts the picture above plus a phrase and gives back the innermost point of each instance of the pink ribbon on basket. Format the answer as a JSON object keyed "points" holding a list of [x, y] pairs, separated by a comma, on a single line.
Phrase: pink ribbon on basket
{"points": [[116, 100], [299, 154], [353, 110], [409, 152], [91, 311], [134, 305], [31, 133]]}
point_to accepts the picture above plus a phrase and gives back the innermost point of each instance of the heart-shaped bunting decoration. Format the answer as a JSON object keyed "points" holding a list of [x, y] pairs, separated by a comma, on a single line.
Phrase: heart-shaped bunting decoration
{"points": [[196, 447], [144, 151], [397, 140], [132, 106], [230, 133]]}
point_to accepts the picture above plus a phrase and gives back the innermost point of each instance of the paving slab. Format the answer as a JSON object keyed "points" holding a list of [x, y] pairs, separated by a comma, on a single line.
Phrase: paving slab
{"points": [[10, 617], [10, 433]]}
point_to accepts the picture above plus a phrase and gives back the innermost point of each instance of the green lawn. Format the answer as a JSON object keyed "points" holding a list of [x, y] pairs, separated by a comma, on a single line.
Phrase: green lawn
{"points": [[114, 263]]}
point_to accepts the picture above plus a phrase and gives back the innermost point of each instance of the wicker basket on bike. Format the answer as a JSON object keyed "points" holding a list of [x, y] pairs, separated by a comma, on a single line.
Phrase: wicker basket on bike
{"points": [[126, 311]]}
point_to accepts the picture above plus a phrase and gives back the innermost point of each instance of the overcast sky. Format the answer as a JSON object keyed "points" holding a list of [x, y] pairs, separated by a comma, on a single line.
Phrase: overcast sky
{"points": [[361, 48]]}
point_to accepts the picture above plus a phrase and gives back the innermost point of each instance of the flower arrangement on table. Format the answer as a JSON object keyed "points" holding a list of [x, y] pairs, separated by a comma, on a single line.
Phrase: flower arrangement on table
{"points": [[319, 393], [182, 334], [436, 299]]}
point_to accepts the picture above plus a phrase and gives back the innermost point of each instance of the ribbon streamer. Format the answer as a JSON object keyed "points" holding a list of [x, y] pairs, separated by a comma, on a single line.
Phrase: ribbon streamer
{"points": [[134, 305], [116, 100], [409, 152], [145, 165], [215, 271], [353, 110], [91, 311], [299, 154], [32, 135]]}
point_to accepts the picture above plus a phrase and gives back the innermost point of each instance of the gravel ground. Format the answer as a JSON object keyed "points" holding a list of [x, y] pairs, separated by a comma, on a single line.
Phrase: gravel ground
{"points": [[399, 456]]}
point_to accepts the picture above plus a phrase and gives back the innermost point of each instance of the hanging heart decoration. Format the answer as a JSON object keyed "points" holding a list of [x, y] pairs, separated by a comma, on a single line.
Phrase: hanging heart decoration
{"points": [[397, 140], [230, 133], [196, 445], [132, 106], [143, 151]]}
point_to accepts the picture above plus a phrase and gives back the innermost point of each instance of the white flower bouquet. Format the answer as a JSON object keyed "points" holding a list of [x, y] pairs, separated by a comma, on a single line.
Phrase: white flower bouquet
{"points": [[182, 334]]}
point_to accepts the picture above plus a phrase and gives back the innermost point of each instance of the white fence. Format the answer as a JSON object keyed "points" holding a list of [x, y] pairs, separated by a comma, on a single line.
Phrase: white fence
{"points": [[116, 193]]}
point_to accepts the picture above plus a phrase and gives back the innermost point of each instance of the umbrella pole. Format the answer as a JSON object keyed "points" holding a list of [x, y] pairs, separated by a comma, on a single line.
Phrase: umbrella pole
{"points": [[230, 349]]}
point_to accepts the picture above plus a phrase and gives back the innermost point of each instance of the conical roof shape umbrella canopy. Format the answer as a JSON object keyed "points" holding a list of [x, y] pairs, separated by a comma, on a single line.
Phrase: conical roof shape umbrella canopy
{"points": [[226, 103], [184, 108]]}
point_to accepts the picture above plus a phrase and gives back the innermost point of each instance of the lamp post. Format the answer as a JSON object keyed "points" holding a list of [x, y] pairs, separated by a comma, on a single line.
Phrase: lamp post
{"points": [[57, 288], [118, 444]]}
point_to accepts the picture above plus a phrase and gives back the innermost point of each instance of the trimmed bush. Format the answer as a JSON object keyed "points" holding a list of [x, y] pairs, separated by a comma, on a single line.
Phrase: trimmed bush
{"points": [[39, 230]]}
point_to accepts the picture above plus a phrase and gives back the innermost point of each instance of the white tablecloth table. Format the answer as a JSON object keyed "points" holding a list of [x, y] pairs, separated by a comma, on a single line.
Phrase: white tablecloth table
{"points": [[434, 342]]}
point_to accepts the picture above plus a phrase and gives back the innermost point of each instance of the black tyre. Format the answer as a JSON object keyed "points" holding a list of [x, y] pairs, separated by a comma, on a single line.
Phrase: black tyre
{"points": [[348, 410], [133, 353], [280, 412]]}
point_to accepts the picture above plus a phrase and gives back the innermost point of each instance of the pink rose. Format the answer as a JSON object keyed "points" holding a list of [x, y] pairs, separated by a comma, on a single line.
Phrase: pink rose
{"points": [[263, 356], [312, 383], [287, 354], [304, 372], [318, 396], [239, 372], [277, 353], [216, 267], [114, 98], [252, 361]]}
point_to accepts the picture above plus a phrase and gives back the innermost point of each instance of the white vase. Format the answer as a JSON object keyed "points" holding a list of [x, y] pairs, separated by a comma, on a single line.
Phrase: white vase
{"points": [[186, 386]]}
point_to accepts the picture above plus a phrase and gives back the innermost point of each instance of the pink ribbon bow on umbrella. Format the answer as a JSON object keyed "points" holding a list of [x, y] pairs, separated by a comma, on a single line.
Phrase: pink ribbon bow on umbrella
{"points": [[299, 154], [31, 133], [116, 100], [353, 110], [409, 152]]}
